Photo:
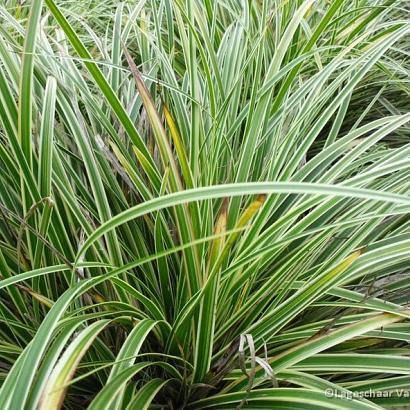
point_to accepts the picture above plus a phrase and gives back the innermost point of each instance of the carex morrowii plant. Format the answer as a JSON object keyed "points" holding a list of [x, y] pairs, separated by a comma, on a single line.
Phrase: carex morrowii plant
{"points": [[204, 204]]}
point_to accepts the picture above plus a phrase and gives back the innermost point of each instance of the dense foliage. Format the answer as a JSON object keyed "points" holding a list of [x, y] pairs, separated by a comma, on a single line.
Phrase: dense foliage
{"points": [[204, 204]]}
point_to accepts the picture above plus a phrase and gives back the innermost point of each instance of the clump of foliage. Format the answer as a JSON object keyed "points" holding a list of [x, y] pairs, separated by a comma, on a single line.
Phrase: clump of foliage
{"points": [[204, 204]]}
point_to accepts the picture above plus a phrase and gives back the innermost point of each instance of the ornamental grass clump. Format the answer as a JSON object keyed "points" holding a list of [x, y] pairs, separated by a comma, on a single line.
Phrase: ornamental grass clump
{"points": [[204, 204]]}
